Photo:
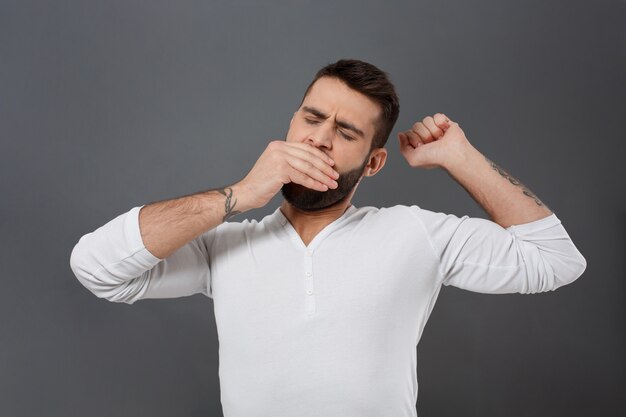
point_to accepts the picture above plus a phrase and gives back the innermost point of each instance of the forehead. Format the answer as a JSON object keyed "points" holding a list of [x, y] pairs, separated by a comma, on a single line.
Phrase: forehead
{"points": [[335, 98]]}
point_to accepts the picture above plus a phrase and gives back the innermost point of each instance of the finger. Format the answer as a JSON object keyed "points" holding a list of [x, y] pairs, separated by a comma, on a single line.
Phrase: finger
{"points": [[423, 132], [435, 131], [415, 139], [312, 157], [307, 167], [312, 149], [319, 158], [300, 178]]}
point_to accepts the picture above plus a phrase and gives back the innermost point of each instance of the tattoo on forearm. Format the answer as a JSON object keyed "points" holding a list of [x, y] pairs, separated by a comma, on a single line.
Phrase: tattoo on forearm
{"points": [[514, 181], [228, 208]]}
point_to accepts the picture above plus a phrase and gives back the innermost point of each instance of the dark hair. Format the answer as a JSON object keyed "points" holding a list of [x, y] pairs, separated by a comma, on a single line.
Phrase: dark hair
{"points": [[373, 83]]}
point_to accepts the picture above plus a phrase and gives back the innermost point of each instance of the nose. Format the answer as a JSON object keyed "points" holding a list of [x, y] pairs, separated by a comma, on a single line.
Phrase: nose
{"points": [[321, 136]]}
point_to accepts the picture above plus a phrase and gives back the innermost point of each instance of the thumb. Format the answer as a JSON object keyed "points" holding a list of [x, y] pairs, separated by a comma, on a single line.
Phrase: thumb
{"points": [[404, 141]]}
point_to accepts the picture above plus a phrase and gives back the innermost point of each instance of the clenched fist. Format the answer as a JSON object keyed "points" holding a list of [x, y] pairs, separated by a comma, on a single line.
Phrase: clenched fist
{"points": [[433, 142], [282, 162]]}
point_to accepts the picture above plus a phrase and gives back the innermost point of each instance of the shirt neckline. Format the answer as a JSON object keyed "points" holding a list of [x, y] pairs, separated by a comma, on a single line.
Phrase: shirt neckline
{"points": [[284, 224]]}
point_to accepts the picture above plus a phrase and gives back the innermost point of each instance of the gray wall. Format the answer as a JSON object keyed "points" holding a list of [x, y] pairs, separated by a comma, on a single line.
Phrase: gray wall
{"points": [[107, 105]]}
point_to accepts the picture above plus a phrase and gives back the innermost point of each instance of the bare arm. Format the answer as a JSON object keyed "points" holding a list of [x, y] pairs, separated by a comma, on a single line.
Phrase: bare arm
{"points": [[167, 225], [506, 200]]}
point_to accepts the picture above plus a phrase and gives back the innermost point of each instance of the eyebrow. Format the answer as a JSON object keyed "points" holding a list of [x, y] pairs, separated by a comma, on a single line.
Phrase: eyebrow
{"points": [[340, 123]]}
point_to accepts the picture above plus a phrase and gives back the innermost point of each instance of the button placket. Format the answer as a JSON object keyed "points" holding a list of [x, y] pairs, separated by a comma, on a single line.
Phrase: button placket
{"points": [[308, 276]]}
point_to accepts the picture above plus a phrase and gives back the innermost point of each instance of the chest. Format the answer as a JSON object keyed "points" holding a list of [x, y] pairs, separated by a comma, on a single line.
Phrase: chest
{"points": [[345, 275]]}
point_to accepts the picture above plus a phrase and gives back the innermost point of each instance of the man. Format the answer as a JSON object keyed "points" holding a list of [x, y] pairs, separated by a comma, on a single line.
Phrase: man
{"points": [[319, 306]]}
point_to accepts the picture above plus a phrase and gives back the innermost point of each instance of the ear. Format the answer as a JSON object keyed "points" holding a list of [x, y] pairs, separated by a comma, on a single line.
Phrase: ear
{"points": [[376, 162]]}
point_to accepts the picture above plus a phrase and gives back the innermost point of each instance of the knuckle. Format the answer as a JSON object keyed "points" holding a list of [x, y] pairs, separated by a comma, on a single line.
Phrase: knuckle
{"points": [[294, 176], [278, 160], [315, 151], [282, 165]]}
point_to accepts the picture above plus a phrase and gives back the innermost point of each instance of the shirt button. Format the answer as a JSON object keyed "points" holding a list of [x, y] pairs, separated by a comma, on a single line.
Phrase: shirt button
{"points": [[309, 253], [307, 273], [310, 292]]}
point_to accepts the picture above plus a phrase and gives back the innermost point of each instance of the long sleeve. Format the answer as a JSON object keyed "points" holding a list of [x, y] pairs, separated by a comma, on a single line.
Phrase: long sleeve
{"points": [[113, 263], [481, 256]]}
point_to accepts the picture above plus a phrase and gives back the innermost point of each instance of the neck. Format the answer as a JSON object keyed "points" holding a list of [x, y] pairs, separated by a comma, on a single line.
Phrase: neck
{"points": [[309, 223]]}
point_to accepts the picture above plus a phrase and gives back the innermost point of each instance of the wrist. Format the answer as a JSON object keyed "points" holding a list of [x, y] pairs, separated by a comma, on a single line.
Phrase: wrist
{"points": [[461, 158], [241, 193]]}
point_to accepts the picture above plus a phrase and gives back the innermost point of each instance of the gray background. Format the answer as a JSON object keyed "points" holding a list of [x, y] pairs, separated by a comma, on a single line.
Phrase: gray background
{"points": [[107, 105]]}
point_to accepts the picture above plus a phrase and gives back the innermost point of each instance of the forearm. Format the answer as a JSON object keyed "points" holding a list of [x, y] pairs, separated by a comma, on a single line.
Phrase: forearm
{"points": [[504, 198], [167, 225]]}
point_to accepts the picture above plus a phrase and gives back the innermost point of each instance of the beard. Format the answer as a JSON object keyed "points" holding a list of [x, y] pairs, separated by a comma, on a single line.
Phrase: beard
{"points": [[308, 199]]}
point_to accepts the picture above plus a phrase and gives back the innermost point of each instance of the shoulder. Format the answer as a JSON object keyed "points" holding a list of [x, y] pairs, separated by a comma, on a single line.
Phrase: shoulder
{"points": [[397, 214], [235, 230], [400, 211], [413, 215], [234, 227]]}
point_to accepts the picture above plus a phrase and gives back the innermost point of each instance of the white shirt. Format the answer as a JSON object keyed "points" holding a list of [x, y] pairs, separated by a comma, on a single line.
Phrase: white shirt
{"points": [[328, 329]]}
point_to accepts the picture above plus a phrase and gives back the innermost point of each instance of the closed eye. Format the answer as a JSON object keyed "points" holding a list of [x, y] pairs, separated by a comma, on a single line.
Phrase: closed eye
{"points": [[314, 122], [347, 137]]}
